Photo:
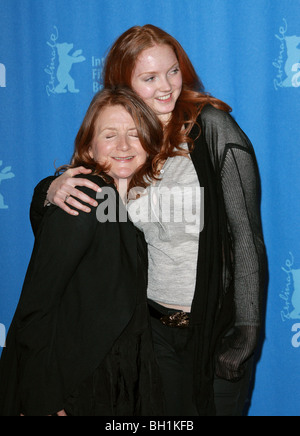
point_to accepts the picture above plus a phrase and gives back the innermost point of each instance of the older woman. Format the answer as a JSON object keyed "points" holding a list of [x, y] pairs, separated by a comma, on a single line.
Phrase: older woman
{"points": [[80, 341]]}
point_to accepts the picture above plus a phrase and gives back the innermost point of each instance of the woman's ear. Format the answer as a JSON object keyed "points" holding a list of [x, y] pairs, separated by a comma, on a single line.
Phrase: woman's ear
{"points": [[91, 153]]}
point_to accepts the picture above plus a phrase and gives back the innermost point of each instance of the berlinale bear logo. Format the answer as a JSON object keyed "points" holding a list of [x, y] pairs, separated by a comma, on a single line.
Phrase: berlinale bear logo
{"points": [[291, 293], [2, 76], [2, 335], [65, 64], [5, 174], [291, 297], [288, 62], [60, 66], [295, 314]]}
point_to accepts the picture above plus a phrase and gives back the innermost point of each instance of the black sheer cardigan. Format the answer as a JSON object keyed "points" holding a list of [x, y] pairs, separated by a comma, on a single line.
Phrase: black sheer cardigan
{"points": [[232, 262], [232, 257]]}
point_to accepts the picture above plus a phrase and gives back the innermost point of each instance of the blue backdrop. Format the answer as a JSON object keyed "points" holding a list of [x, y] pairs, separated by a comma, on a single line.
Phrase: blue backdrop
{"points": [[247, 52]]}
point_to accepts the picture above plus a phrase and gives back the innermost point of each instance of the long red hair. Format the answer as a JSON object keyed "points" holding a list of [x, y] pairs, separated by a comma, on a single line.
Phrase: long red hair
{"points": [[119, 67]]}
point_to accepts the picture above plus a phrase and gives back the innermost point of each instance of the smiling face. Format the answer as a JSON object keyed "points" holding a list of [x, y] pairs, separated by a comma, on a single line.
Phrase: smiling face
{"points": [[157, 79], [116, 144]]}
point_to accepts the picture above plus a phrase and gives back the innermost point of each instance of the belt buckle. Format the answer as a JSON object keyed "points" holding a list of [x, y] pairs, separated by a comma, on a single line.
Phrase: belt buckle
{"points": [[179, 319]]}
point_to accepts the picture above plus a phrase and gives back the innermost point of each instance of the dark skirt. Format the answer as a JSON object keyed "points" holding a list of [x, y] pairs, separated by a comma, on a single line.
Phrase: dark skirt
{"points": [[127, 382]]}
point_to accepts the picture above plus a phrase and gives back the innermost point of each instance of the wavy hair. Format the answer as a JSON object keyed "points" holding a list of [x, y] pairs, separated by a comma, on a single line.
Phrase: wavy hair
{"points": [[149, 129], [118, 69]]}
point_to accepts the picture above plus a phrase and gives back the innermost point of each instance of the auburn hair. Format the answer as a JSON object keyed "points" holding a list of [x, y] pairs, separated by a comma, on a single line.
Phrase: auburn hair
{"points": [[118, 70], [149, 129]]}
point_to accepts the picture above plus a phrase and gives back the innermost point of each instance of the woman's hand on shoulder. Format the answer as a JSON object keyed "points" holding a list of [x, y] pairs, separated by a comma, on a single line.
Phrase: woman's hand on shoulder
{"points": [[63, 192]]}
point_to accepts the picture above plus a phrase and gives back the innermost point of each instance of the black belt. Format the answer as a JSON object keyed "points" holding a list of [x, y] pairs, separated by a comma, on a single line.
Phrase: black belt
{"points": [[173, 318]]}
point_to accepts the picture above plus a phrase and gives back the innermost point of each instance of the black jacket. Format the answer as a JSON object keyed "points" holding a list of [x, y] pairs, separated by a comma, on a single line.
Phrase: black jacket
{"points": [[78, 297]]}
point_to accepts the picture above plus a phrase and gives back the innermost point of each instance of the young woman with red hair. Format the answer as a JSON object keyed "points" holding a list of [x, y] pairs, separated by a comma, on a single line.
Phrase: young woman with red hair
{"points": [[205, 283]]}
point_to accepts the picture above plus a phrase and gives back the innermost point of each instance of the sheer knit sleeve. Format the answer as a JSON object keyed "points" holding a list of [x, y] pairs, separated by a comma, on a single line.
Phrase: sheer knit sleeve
{"points": [[241, 189]]}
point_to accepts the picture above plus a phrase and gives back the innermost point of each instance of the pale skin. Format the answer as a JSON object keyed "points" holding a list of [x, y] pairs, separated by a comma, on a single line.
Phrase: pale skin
{"points": [[157, 79], [117, 144]]}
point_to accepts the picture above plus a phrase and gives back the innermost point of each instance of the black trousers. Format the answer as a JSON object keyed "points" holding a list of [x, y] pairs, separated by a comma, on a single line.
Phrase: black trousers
{"points": [[175, 361]]}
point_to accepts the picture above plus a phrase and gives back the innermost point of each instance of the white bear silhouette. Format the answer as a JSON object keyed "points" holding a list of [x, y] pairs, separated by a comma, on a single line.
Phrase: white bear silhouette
{"points": [[66, 62], [2, 335], [2, 76], [293, 52], [5, 174], [296, 295]]}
